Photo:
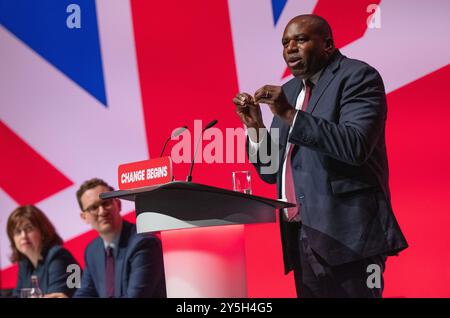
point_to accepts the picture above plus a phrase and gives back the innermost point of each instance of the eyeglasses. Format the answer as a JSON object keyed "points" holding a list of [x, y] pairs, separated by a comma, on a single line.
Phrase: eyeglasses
{"points": [[27, 229], [94, 208]]}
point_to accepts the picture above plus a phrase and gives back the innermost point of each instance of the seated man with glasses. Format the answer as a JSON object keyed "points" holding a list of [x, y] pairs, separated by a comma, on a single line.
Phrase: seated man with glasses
{"points": [[120, 262]]}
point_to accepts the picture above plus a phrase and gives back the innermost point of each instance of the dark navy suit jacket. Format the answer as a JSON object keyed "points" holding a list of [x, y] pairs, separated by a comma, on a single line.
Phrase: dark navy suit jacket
{"points": [[339, 165], [51, 272], [139, 267]]}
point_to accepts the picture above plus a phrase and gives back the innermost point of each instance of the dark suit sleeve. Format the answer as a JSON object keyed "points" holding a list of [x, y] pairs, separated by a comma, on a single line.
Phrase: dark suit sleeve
{"points": [[362, 112], [57, 272], [146, 270], [265, 159], [87, 288], [20, 280]]}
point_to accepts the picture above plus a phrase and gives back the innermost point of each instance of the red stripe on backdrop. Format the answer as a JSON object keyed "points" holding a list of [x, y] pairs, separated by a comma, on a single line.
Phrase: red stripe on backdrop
{"points": [[419, 155], [187, 71], [38, 178]]}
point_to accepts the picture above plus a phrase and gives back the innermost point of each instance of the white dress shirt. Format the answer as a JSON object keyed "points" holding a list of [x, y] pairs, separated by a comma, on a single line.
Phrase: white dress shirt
{"points": [[254, 146]]}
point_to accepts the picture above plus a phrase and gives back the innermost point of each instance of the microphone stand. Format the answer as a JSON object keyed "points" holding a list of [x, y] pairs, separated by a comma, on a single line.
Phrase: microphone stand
{"points": [[176, 133], [212, 123]]}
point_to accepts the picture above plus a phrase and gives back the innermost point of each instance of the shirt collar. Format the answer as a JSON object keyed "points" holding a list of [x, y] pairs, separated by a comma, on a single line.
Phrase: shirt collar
{"points": [[115, 241], [113, 244], [315, 78]]}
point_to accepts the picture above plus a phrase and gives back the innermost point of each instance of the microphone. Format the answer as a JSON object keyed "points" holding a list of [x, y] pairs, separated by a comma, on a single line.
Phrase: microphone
{"points": [[210, 125], [176, 133], [189, 177]]}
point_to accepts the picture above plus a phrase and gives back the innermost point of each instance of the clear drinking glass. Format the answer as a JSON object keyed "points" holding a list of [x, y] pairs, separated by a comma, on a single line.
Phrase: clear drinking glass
{"points": [[242, 182]]}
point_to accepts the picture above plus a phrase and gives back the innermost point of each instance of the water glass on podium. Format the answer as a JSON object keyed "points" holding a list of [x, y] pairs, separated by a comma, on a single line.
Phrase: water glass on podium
{"points": [[242, 182]]}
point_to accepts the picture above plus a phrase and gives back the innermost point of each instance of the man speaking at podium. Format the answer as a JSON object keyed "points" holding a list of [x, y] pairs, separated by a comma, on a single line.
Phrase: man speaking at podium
{"points": [[331, 162]]}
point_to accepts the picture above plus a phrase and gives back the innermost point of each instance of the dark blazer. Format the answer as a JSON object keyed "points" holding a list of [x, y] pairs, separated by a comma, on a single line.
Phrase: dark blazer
{"points": [[139, 266], [51, 272], [340, 166]]}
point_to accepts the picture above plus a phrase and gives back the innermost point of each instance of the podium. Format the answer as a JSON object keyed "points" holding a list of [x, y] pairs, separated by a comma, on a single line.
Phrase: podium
{"points": [[210, 260]]}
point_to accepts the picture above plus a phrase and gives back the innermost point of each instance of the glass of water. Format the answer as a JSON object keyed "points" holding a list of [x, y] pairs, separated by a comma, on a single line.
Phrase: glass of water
{"points": [[242, 182]]}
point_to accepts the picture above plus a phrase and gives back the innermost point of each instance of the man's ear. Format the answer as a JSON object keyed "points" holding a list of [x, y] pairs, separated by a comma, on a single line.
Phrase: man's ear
{"points": [[329, 45], [119, 202], [83, 217]]}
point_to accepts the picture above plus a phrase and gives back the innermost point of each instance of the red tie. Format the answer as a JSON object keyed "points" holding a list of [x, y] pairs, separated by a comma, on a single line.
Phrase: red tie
{"points": [[289, 180], [110, 272]]}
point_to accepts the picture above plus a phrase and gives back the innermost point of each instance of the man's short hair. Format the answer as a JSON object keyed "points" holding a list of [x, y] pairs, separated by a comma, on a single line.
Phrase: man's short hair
{"points": [[321, 26], [90, 184]]}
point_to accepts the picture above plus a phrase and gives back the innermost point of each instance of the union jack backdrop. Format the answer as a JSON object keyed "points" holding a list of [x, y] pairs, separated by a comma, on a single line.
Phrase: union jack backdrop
{"points": [[75, 102]]}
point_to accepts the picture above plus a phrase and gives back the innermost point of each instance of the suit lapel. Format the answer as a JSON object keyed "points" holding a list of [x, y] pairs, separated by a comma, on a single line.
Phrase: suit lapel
{"points": [[100, 260], [119, 259], [292, 97], [324, 80], [292, 100]]}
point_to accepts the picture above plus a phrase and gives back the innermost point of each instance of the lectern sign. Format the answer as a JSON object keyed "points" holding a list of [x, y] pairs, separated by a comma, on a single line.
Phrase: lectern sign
{"points": [[145, 173]]}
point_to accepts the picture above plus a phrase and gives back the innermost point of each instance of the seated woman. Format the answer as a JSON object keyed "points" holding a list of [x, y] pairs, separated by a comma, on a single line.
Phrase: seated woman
{"points": [[37, 247]]}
